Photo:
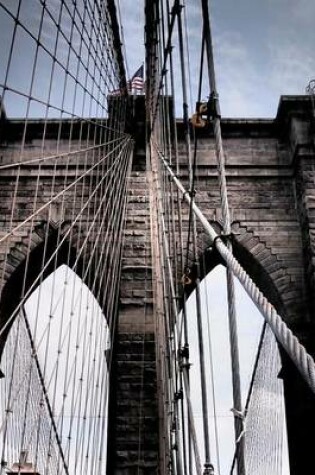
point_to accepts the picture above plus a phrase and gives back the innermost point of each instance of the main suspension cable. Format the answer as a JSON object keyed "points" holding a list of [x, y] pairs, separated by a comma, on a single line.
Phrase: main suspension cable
{"points": [[302, 360]]}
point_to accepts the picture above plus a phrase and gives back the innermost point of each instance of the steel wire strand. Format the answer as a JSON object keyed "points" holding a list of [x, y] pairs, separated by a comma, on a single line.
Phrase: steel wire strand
{"points": [[64, 237], [25, 353], [192, 230], [203, 246], [251, 385], [92, 195], [180, 253], [297, 352], [211, 364], [234, 351], [87, 237], [176, 345], [59, 30], [91, 257], [44, 390], [67, 188], [169, 248], [59, 155]]}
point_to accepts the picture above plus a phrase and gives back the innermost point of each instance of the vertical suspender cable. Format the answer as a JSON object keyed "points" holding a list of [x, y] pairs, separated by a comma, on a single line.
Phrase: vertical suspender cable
{"points": [[207, 464], [237, 402]]}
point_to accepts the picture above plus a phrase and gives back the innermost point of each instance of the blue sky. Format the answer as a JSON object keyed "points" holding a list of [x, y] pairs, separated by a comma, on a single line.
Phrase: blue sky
{"points": [[262, 50]]}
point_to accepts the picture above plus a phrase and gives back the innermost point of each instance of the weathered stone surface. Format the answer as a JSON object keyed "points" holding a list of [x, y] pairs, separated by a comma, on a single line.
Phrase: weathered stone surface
{"points": [[270, 167]]}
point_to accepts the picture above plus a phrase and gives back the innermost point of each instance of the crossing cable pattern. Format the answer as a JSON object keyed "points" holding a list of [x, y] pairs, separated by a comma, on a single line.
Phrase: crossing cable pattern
{"points": [[264, 411], [290, 343], [163, 52], [174, 338], [65, 158], [68, 175]]}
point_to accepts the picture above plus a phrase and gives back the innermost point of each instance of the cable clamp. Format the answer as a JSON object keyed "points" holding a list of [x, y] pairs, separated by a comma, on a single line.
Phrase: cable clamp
{"points": [[197, 121], [183, 352], [213, 107], [238, 413], [178, 396], [182, 365], [177, 8], [192, 193], [186, 192], [185, 365], [225, 238], [209, 469]]}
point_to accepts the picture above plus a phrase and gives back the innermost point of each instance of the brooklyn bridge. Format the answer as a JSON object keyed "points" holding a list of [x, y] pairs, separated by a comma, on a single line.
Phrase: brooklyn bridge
{"points": [[132, 230]]}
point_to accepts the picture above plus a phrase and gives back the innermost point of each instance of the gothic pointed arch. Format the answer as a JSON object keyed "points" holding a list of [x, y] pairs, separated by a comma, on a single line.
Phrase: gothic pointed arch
{"points": [[31, 258]]}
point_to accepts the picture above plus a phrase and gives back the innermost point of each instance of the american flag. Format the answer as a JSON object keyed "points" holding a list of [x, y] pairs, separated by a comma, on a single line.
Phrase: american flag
{"points": [[137, 81]]}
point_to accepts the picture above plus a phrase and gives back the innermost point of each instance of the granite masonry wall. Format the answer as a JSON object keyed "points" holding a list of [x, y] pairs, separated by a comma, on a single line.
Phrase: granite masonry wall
{"points": [[270, 166]]}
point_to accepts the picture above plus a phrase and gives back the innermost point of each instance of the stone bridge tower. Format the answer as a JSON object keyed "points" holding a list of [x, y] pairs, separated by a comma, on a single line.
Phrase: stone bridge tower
{"points": [[270, 167]]}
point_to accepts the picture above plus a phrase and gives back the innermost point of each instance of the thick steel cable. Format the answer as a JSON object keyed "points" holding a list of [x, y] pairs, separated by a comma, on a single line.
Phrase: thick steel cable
{"points": [[302, 360], [170, 311], [178, 236], [169, 243], [174, 313]]}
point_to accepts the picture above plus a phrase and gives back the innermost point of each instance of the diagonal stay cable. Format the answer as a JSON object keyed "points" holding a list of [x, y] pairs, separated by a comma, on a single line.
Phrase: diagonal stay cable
{"points": [[57, 156], [12, 316], [251, 386], [43, 387], [67, 188], [297, 352]]}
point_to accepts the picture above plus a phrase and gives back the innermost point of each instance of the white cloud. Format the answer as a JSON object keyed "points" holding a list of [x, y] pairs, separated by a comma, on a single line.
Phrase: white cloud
{"points": [[239, 80], [292, 10], [292, 65]]}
